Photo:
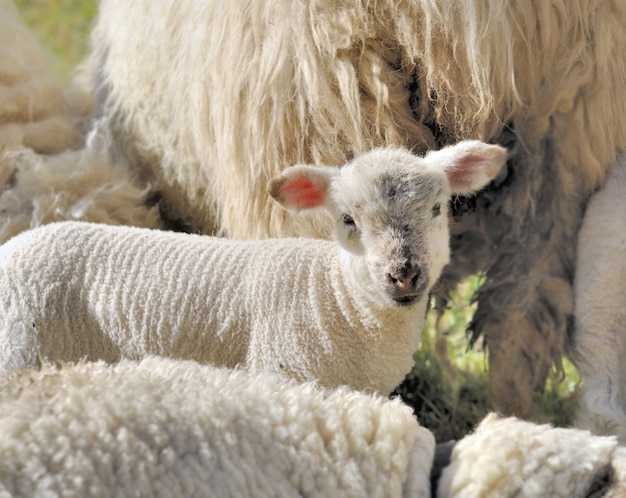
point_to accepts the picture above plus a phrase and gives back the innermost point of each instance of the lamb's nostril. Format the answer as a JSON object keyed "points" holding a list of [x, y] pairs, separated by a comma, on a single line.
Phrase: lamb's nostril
{"points": [[391, 278]]}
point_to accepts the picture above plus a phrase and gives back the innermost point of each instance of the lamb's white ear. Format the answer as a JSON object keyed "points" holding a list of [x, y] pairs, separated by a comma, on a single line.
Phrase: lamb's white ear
{"points": [[302, 187], [469, 165]]}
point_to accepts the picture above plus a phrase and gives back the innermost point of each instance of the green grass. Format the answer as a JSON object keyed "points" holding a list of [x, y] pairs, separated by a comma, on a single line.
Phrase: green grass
{"points": [[449, 398], [63, 27]]}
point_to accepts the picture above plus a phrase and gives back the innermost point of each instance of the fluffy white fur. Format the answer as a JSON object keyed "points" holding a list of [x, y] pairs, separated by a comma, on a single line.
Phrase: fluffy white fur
{"points": [[508, 457], [256, 86], [48, 172], [600, 286], [172, 428], [342, 313]]}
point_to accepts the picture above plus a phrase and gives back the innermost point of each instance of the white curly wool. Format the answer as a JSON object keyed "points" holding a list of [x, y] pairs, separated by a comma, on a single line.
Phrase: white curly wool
{"points": [[600, 292], [168, 428], [90, 182], [50, 168], [511, 458]]}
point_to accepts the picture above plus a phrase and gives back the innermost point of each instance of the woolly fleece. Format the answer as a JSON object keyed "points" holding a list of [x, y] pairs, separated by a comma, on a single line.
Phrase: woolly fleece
{"points": [[600, 292], [508, 457], [75, 290], [167, 428]]}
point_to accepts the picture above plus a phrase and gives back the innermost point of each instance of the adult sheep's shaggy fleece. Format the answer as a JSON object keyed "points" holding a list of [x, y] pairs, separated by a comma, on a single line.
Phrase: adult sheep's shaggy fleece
{"points": [[172, 428], [33, 110], [230, 93]]}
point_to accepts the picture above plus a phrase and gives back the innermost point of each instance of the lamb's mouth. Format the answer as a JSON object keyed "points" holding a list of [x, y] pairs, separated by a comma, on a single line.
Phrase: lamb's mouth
{"points": [[405, 300]]}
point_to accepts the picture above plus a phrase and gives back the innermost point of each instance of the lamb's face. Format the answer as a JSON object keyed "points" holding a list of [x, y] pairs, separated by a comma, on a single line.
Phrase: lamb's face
{"points": [[390, 209], [393, 214]]}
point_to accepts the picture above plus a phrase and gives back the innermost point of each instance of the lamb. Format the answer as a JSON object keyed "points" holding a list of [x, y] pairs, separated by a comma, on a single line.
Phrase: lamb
{"points": [[164, 427], [347, 312], [600, 293]]}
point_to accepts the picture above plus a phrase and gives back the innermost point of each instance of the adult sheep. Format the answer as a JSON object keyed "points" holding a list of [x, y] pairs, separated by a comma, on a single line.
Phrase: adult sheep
{"points": [[508, 457], [33, 109], [230, 93], [49, 169], [163, 427]]}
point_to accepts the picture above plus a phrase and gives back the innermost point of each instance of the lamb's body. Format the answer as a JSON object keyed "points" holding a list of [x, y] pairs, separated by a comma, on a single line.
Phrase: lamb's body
{"points": [[600, 287], [230, 93], [167, 428], [106, 292]]}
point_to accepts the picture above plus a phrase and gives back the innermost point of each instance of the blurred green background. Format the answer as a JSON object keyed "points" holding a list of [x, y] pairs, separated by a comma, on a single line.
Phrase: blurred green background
{"points": [[63, 27], [448, 396]]}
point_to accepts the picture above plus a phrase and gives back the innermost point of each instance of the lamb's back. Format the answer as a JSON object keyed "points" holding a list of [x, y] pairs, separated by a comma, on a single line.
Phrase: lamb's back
{"points": [[88, 290]]}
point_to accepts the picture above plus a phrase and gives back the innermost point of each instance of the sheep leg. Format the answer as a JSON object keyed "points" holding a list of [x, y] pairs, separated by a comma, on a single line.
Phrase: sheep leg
{"points": [[600, 339], [525, 307]]}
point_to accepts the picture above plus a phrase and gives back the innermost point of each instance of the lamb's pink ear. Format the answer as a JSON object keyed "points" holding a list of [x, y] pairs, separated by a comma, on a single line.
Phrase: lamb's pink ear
{"points": [[470, 165], [302, 187]]}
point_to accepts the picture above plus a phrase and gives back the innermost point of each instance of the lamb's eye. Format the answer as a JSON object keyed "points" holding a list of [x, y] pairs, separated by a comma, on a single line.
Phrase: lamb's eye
{"points": [[347, 220], [436, 210]]}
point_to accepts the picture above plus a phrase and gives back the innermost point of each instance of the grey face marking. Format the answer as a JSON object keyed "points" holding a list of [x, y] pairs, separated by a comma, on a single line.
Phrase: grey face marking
{"points": [[400, 190], [391, 186]]}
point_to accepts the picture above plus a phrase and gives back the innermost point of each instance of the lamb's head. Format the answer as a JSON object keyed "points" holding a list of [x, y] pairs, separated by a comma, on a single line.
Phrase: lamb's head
{"points": [[390, 209]]}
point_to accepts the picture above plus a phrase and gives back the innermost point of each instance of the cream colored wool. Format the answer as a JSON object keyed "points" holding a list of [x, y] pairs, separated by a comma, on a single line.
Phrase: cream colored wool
{"points": [[600, 286], [239, 90], [89, 183], [168, 428], [511, 458], [347, 312], [33, 110]]}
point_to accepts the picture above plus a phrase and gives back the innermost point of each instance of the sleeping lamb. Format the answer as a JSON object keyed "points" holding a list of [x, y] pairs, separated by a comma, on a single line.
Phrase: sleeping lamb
{"points": [[347, 312]]}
